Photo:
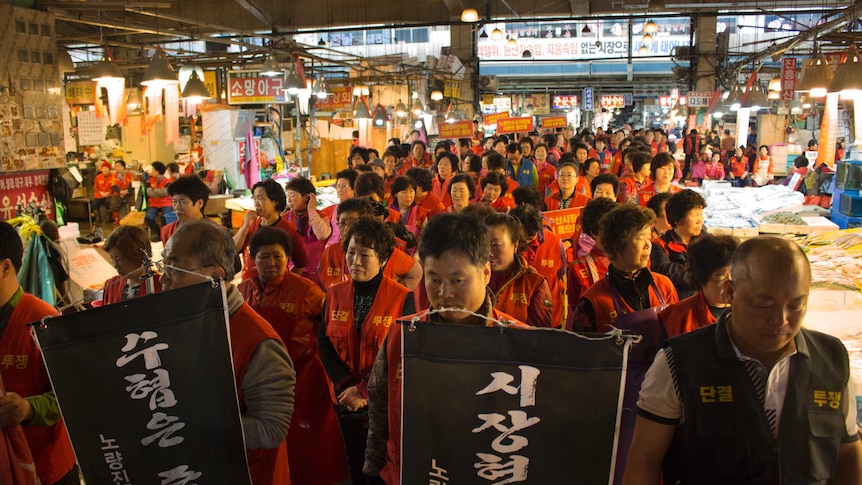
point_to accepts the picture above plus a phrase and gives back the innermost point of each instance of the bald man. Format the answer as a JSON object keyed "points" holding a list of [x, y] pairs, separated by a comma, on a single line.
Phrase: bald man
{"points": [[264, 373], [754, 398]]}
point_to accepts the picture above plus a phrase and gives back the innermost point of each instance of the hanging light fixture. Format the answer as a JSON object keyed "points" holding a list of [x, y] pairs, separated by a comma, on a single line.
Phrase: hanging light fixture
{"points": [[817, 78], [361, 90], [642, 50], [586, 30], [321, 42], [773, 95], [380, 118], [400, 109], [361, 112], [195, 90], [847, 80], [483, 34], [647, 40], [795, 107], [527, 54], [497, 34], [293, 83], [436, 95], [650, 27], [417, 107], [319, 87], [806, 101], [133, 102], [270, 67], [159, 73], [756, 98], [512, 43], [469, 15], [107, 70], [775, 84], [734, 100]]}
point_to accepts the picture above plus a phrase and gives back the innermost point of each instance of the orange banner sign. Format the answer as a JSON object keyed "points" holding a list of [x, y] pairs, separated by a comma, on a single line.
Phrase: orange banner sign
{"points": [[828, 132], [515, 125], [459, 129], [494, 117], [565, 221], [341, 98], [555, 122]]}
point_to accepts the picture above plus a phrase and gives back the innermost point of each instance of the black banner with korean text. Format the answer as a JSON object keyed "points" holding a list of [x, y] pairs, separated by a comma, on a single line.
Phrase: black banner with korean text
{"points": [[147, 390], [492, 405]]}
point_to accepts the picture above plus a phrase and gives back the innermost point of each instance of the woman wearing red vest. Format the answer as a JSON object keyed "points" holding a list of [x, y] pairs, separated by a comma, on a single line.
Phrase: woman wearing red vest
{"points": [[494, 187], [293, 306], [566, 196], [639, 180], [586, 270], [128, 246], [547, 172], [102, 193], [446, 163], [123, 194], [663, 169], [412, 217], [708, 269], [158, 199], [684, 213], [516, 288], [738, 164], [462, 190], [314, 229], [269, 201], [359, 314]]}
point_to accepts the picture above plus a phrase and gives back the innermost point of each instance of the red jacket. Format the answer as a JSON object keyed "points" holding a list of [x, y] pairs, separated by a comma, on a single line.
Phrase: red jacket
{"points": [[161, 182], [547, 257], [440, 188], [686, 315], [248, 329], [123, 181], [547, 175], [333, 269], [103, 183], [359, 351], [629, 188], [293, 305], [647, 193], [600, 297], [581, 275], [50, 446], [553, 202], [112, 292], [297, 254], [525, 296], [432, 204], [391, 471]]}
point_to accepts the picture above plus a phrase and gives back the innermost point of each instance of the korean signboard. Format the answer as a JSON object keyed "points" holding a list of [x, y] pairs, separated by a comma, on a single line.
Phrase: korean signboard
{"points": [[515, 125], [575, 48], [81, 92], [699, 99], [550, 122], [459, 129], [788, 78], [149, 404], [494, 117], [612, 101], [251, 87], [25, 189], [588, 99], [568, 101], [340, 98], [511, 425]]}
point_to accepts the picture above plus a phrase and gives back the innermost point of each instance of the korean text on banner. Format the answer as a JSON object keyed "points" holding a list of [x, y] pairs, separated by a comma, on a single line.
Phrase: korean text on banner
{"points": [[515, 417], [148, 404], [554, 122], [459, 129], [494, 117], [565, 221], [515, 125]]}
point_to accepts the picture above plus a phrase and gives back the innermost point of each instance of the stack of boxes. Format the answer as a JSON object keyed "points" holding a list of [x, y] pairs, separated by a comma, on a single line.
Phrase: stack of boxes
{"points": [[846, 200]]}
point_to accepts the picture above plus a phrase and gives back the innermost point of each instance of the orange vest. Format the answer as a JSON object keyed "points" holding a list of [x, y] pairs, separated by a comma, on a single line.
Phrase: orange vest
{"points": [[603, 303], [553, 202], [160, 182], [359, 351], [27, 376], [432, 204], [103, 183], [333, 270], [549, 262], [247, 329], [391, 471], [514, 296], [686, 315], [297, 253], [647, 193], [547, 175], [113, 289], [581, 276], [123, 180]]}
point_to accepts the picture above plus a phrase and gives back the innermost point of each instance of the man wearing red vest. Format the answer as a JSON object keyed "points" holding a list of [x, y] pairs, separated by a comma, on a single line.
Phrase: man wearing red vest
{"points": [[30, 401], [263, 371], [457, 272]]}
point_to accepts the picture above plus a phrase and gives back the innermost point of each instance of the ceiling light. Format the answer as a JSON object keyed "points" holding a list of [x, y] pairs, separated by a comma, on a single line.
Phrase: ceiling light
{"points": [[651, 27], [133, 102], [417, 107], [642, 50], [270, 67], [496, 34], [361, 112], [483, 34], [293, 83], [321, 42], [318, 87], [361, 90], [106, 70], [775, 84], [159, 72], [817, 78], [469, 15], [380, 117], [400, 109], [586, 30], [806, 101], [774, 95], [512, 43], [756, 98], [647, 40], [527, 54], [795, 107], [417, 124], [848, 77], [195, 90], [436, 95], [734, 100]]}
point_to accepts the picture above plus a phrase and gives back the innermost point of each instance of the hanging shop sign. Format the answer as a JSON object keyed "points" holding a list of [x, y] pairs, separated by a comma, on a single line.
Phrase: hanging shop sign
{"points": [[550, 122], [493, 118], [699, 99], [211, 83], [458, 129], [588, 99], [575, 48], [341, 98], [25, 190], [515, 125], [452, 89], [568, 101], [250, 87], [612, 101], [81, 92], [788, 78]]}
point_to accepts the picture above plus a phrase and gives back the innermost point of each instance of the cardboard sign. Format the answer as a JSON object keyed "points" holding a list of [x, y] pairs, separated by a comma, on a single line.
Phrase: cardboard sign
{"points": [[515, 125], [459, 129], [565, 221], [550, 122], [494, 117]]}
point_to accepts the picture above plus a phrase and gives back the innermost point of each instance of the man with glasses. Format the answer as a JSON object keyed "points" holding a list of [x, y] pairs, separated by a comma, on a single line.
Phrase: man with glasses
{"points": [[200, 251]]}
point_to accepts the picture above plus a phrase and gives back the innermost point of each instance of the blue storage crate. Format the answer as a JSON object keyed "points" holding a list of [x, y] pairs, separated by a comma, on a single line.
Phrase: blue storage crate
{"points": [[846, 222], [850, 205]]}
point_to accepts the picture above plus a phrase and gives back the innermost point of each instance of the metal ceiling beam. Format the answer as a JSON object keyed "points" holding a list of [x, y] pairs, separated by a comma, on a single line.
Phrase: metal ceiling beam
{"points": [[103, 5], [197, 23], [257, 13]]}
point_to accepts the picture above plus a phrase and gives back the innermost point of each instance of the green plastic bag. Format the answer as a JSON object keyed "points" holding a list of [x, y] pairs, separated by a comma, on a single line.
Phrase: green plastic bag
{"points": [[35, 276]]}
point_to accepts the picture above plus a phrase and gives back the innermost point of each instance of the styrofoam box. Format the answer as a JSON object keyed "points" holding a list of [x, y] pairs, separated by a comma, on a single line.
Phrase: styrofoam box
{"points": [[812, 224]]}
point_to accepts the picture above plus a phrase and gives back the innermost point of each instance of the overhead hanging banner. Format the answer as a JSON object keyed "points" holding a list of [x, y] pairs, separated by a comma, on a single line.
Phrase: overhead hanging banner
{"points": [[518, 416], [25, 189], [515, 125], [550, 122], [492, 118], [81, 92], [251, 87], [458, 129], [144, 402], [788, 78]]}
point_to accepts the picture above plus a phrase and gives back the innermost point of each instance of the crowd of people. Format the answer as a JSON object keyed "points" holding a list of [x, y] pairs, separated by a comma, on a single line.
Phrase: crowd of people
{"points": [[313, 321]]}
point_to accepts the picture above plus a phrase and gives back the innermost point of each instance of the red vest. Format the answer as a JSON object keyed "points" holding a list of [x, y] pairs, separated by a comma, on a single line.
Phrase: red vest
{"points": [[514, 297], [686, 315], [432, 204], [27, 376], [333, 270], [113, 289], [168, 230], [547, 175], [160, 182], [549, 263], [391, 471], [359, 351], [297, 253], [646, 193], [603, 304], [581, 276], [553, 202], [502, 204], [123, 181], [247, 329], [102, 183]]}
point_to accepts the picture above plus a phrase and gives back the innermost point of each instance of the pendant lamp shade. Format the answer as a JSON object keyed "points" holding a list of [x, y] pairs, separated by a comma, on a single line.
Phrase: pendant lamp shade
{"points": [[133, 102], [436, 95], [195, 89], [647, 40], [361, 112], [848, 77], [106, 69], [469, 15], [734, 100], [651, 27], [318, 87], [293, 83], [270, 67], [159, 73], [756, 98], [497, 34], [417, 107], [380, 118], [400, 109], [527, 54], [817, 78]]}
